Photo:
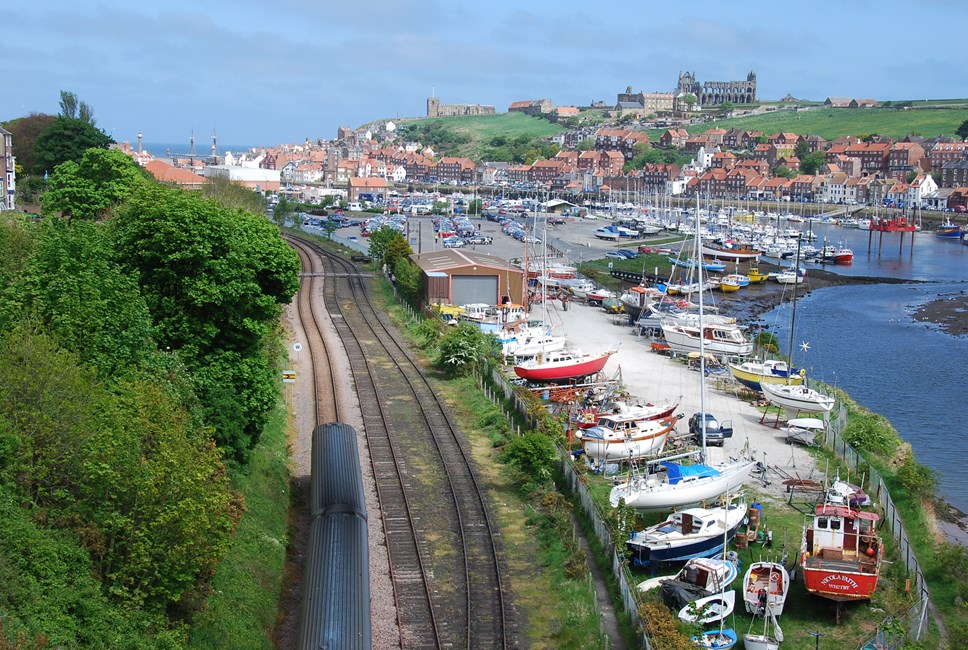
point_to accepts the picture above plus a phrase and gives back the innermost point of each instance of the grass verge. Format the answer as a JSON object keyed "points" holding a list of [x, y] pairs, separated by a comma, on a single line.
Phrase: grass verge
{"points": [[241, 612]]}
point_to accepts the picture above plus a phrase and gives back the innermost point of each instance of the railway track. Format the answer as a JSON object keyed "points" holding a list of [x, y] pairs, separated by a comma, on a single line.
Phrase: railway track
{"points": [[446, 569]]}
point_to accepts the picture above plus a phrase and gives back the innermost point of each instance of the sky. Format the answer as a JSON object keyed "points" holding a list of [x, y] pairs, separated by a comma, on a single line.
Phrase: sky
{"points": [[261, 72]]}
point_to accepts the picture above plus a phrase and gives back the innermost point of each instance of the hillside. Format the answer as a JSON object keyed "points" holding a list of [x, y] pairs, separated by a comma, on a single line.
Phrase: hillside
{"points": [[934, 118], [473, 136]]}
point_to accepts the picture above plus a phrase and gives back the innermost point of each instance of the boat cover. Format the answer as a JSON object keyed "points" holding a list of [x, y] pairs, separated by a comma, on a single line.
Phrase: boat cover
{"points": [[677, 594], [678, 472]]}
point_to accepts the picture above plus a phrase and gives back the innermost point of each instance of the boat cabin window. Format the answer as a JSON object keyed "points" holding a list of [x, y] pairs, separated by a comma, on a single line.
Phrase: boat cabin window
{"points": [[822, 523], [834, 524]]}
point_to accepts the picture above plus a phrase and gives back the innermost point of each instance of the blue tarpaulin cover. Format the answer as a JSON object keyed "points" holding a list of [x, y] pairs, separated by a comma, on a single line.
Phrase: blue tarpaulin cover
{"points": [[678, 472]]}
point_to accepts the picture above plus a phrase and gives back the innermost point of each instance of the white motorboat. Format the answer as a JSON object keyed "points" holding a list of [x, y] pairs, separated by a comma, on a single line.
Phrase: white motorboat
{"points": [[676, 486], [579, 287], [803, 431], [714, 338], [533, 342], [710, 609], [618, 437], [689, 533], [765, 588]]}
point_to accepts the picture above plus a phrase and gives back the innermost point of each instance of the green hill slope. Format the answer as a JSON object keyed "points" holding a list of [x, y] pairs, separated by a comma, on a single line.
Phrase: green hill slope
{"points": [[472, 136], [829, 123]]}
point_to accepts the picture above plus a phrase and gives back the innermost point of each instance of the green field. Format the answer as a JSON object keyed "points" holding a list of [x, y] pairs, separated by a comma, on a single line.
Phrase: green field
{"points": [[831, 123], [485, 127]]}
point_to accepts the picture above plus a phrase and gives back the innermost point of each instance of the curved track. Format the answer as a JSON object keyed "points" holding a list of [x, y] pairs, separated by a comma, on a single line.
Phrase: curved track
{"points": [[446, 570]]}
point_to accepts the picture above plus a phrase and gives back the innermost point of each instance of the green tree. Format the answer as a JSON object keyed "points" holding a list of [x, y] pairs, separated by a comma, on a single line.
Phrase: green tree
{"points": [[463, 348], [283, 210], [962, 130], [75, 109], [380, 241], [784, 171], [725, 109], [88, 189], [233, 195], [24, 132], [397, 249], [408, 276], [532, 455], [474, 207], [802, 150], [588, 144], [88, 301], [66, 139], [689, 100], [214, 281], [813, 163]]}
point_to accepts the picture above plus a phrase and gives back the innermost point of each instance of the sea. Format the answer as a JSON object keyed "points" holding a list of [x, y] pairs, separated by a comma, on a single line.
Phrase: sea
{"points": [[203, 146], [863, 339]]}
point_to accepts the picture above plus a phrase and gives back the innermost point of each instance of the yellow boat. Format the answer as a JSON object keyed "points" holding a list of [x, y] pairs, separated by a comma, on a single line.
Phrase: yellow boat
{"points": [[772, 371], [755, 275]]}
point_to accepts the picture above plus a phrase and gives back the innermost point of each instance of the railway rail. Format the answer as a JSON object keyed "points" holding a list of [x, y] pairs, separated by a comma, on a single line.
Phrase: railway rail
{"points": [[446, 566]]}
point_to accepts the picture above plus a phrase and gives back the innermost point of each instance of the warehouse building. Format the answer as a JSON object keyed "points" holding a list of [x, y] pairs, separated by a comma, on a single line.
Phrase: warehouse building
{"points": [[458, 277]]}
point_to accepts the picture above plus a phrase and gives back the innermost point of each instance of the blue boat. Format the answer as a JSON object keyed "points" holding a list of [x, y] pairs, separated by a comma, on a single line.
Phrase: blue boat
{"points": [[689, 533], [716, 639], [948, 229]]}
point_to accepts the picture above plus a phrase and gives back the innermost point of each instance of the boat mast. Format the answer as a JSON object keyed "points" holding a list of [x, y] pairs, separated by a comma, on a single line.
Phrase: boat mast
{"points": [[793, 310], [702, 338]]}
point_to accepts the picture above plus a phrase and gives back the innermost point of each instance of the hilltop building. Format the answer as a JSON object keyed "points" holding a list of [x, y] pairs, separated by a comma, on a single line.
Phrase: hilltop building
{"points": [[718, 92], [436, 109]]}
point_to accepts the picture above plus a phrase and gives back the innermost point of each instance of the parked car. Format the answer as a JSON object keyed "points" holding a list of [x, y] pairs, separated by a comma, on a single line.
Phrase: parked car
{"points": [[615, 255], [716, 431], [628, 253], [453, 242]]}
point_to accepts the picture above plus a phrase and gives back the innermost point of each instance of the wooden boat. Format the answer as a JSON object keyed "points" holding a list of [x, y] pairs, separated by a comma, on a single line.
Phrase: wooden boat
{"points": [[841, 553], [710, 609], [730, 283], [637, 299], [797, 399], [765, 588], [771, 371], [689, 533], [629, 438], [598, 295], [561, 366], [672, 485]]}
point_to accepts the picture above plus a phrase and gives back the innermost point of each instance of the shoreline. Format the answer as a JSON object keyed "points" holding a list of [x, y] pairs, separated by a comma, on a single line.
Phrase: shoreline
{"points": [[948, 312]]}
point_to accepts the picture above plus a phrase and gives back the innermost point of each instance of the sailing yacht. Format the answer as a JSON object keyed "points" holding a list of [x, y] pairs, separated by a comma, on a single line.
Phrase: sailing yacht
{"points": [[793, 398], [672, 485]]}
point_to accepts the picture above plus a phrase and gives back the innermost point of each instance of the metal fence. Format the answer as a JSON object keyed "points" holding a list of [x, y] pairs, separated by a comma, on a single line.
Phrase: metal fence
{"points": [[877, 490]]}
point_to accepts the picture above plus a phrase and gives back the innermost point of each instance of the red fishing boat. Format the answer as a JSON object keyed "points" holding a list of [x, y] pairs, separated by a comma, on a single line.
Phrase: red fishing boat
{"points": [[561, 366], [841, 553]]}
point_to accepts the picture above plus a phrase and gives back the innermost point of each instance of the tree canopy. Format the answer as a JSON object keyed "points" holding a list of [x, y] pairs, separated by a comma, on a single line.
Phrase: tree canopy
{"points": [[962, 130], [66, 139], [24, 132], [74, 108], [87, 189]]}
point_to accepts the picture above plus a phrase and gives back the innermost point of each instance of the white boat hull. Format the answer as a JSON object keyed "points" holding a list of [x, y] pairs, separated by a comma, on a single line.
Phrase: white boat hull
{"points": [[649, 494], [760, 642], [713, 608], [797, 399], [685, 339], [645, 447], [765, 588]]}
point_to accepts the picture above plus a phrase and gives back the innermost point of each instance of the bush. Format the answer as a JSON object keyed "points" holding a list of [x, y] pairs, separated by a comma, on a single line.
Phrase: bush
{"points": [[532, 456]]}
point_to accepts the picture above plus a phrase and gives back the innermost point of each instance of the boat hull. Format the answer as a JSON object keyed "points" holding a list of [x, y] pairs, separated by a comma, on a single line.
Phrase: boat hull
{"points": [[765, 588], [760, 642], [644, 442], [797, 398], [839, 585], [653, 553], [562, 372], [752, 379], [649, 495]]}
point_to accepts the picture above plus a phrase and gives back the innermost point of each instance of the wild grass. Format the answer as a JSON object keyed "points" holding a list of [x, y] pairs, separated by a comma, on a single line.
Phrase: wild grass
{"points": [[241, 612]]}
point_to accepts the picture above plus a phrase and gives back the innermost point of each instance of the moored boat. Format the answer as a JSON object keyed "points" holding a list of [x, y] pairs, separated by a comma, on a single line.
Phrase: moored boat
{"points": [[948, 229], [841, 553], [742, 252]]}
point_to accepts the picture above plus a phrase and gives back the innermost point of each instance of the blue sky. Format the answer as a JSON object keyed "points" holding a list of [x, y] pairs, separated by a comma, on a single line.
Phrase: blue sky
{"points": [[263, 72]]}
